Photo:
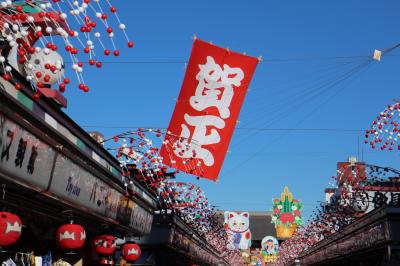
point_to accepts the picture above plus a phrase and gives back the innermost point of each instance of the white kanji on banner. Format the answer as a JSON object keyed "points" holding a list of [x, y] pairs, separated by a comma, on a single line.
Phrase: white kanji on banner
{"points": [[215, 88]]}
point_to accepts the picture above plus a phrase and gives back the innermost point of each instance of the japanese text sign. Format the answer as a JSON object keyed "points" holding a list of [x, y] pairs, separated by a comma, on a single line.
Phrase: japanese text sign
{"points": [[208, 106]]}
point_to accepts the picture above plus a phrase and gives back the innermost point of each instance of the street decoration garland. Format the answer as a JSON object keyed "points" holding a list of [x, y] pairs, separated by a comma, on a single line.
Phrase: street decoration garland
{"points": [[34, 33], [138, 153], [329, 218], [286, 214], [384, 133]]}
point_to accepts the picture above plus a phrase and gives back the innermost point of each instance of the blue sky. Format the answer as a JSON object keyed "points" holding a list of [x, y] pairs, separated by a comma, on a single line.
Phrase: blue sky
{"points": [[260, 163]]}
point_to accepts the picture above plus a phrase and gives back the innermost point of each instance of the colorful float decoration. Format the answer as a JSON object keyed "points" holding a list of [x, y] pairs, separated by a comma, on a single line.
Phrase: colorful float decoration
{"points": [[131, 252], [238, 231], [70, 237], [286, 214], [10, 229], [270, 249]]}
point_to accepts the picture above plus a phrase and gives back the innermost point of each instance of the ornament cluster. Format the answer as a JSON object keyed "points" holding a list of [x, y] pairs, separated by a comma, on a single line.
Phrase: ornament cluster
{"points": [[34, 34]]}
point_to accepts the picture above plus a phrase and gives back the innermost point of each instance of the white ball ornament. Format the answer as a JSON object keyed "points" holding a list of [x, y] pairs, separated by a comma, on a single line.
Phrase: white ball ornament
{"points": [[38, 61]]}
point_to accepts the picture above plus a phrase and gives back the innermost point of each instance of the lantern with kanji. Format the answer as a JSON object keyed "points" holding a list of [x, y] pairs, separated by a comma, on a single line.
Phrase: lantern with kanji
{"points": [[131, 251], [10, 229], [105, 244], [70, 236]]}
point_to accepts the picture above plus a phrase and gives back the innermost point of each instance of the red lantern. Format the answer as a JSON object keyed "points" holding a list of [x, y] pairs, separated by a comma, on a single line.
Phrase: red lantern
{"points": [[10, 229], [105, 244], [71, 236], [131, 251]]}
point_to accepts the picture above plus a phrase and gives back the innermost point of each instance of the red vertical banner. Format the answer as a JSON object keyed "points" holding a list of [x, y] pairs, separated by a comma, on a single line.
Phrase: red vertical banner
{"points": [[205, 116]]}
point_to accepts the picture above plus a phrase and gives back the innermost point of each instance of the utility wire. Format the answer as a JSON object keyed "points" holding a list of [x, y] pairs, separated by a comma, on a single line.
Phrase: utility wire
{"points": [[277, 60], [242, 128]]}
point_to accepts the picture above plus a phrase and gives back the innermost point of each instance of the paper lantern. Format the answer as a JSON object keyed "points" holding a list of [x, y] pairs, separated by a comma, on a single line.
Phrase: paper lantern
{"points": [[71, 236], [105, 244], [131, 251], [10, 229]]}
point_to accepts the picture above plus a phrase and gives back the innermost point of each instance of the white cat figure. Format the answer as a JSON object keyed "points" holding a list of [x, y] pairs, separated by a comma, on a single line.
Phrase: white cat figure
{"points": [[237, 226]]}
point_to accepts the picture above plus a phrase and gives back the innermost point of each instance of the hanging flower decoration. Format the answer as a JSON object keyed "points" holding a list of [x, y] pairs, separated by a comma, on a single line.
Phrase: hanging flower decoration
{"points": [[385, 132], [329, 218], [138, 154], [286, 214], [30, 47]]}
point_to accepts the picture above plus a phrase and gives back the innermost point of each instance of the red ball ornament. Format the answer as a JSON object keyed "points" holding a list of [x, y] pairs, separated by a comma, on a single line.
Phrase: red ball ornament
{"points": [[62, 87], [131, 251], [36, 96], [6, 77], [71, 236], [116, 53], [105, 244], [10, 229], [130, 44]]}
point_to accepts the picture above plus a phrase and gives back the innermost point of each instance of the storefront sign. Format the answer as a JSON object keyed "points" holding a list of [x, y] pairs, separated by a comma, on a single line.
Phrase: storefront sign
{"points": [[183, 243], [73, 183], [371, 236], [23, 155], [141, 220]]}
